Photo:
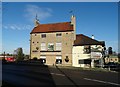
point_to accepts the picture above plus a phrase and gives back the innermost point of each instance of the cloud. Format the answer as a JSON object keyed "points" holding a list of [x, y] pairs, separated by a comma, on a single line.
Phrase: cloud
{"points": [[17, 27], [32, 10]]}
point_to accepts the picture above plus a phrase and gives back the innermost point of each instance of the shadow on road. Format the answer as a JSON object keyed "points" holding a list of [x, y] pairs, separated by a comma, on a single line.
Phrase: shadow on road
{"points": [[26, 74], [75, 85]]}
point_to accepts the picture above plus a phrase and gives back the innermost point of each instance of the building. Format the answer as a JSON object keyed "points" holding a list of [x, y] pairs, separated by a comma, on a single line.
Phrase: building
{"points": [[86, 51], [53, 43], [57, 43]]}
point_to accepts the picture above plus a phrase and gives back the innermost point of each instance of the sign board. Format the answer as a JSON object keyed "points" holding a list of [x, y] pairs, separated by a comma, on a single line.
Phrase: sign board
{"points": [[50, 53], [96, 55]]}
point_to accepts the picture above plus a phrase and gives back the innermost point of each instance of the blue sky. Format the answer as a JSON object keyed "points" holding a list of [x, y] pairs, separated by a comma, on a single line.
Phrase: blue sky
{"points": [[97, 18]]}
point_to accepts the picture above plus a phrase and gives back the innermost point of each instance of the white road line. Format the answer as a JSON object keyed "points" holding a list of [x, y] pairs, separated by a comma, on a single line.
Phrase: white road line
{"points": [[57, 74], [101, 81]]}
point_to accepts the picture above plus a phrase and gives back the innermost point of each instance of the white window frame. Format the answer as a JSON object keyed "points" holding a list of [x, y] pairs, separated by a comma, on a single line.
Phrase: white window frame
{"points": [[43, 46], [58, 46]]}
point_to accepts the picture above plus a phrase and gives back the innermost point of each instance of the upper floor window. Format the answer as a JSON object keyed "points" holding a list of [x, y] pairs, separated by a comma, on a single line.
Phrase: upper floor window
{"points": [[43, 46], [43, 35], [58, 46], [58, 34], [50, 46]]}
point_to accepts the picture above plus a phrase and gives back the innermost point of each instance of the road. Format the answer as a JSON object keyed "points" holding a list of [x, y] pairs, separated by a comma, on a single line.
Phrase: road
{"points": [[36, 75]]}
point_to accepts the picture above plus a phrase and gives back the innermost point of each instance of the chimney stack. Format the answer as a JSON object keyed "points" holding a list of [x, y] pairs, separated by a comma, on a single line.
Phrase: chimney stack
{"points": [[73, 22], [93, 37]]}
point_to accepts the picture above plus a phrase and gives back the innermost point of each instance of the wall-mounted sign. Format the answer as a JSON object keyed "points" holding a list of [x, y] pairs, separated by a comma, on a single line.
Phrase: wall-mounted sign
{"points": [[96, 55]]}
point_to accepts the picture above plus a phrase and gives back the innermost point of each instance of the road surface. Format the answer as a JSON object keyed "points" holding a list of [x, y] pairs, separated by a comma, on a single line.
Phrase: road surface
{"points": [[19, 75]]}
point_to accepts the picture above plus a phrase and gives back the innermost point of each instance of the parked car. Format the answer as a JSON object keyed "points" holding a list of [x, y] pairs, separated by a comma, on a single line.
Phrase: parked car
{"points": [[10, 59]]}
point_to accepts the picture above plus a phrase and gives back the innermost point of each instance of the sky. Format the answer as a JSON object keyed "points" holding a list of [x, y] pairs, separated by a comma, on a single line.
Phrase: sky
{"points": [[92, 18]]}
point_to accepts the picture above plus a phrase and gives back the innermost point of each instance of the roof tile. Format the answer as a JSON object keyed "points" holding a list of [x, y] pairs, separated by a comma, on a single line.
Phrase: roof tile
{"points": [[55, 27], [85, 40]]}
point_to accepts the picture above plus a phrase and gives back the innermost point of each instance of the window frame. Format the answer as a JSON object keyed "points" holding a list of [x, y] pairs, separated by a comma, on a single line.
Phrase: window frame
{"points": [[59, 58], [43, 35], [42, 46], [59, 46]]}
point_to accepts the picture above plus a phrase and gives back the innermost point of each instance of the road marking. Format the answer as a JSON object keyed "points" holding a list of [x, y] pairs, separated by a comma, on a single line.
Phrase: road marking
{"points": [[101, 81], [57, 74]]}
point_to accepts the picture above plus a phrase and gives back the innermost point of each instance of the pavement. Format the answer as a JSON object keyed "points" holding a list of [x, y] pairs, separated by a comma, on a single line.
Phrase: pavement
{"points": [[18, 75]]}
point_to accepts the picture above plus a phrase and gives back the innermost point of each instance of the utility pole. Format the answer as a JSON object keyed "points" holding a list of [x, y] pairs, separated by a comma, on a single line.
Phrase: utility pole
{"points": [[103, 57], [109, 53], [4, 55]]}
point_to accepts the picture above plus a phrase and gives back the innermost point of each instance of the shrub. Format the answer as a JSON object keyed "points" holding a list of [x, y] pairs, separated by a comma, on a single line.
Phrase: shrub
{"points": [[35, 58]]}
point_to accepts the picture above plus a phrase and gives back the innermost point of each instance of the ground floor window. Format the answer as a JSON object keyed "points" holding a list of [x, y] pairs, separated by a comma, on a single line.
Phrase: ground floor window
{"points": [[97, 63], [84, 61], [58, 60], [43, 59]]}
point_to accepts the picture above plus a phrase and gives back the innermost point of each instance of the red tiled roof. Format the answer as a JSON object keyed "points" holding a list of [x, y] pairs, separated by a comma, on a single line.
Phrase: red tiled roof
{"points": [[55, 27], [85, 40]]}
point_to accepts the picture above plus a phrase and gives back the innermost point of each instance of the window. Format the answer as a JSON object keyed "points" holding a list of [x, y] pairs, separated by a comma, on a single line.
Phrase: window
{"points": [[58, 60], [43, 46], [50, 47], [80, 61], [43, 59], [43, 35], [58, 34], [85, 61], [87, 49], [58, 46]]}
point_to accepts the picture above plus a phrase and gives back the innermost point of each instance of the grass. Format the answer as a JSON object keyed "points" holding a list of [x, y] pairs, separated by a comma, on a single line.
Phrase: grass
{"points": [[90, 69]]}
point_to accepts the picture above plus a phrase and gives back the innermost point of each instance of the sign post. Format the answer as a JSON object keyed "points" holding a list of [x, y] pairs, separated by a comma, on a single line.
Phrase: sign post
{"points": [[97, 56]]}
